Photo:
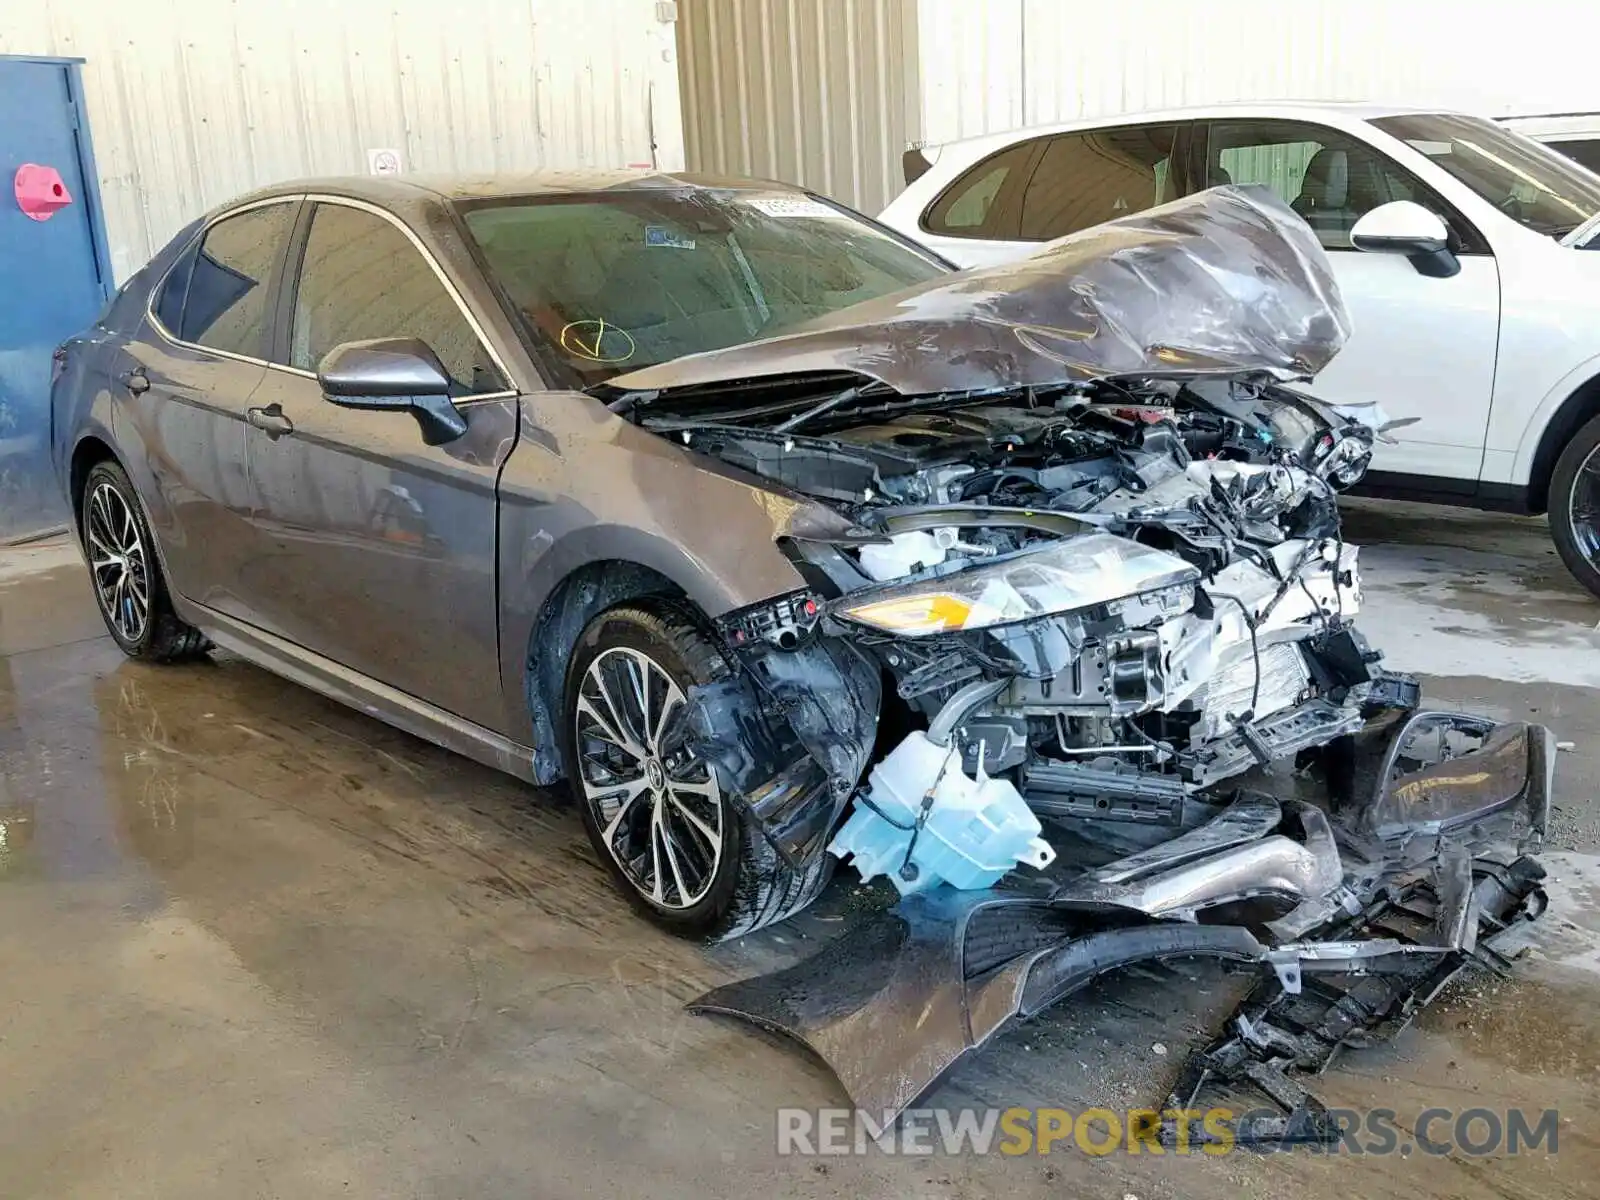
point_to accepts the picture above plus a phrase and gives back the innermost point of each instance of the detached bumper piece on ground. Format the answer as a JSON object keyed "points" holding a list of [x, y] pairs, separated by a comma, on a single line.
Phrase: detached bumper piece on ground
{"points": [[1357, 911], [1282, 1032]]}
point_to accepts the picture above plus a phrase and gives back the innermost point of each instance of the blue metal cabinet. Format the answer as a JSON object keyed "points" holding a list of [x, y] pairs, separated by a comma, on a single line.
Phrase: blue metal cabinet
{"points": [[54, 276]]}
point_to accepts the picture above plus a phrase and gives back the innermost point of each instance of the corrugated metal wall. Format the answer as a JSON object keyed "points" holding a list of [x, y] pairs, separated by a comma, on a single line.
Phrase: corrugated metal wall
{"points": [[1002, 64], [194, 101], [816, 92]]}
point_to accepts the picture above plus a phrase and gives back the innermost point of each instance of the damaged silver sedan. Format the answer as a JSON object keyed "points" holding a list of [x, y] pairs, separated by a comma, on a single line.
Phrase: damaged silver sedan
{"points": [[784, 546]]}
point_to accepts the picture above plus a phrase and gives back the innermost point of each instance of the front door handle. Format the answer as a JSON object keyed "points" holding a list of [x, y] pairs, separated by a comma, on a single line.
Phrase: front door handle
{"points": [[136, 381], [270, 419]]}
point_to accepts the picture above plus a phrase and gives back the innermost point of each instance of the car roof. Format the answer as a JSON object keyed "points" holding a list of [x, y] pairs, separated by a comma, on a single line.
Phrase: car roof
{"points": [[393, 190], [1358, 110]]}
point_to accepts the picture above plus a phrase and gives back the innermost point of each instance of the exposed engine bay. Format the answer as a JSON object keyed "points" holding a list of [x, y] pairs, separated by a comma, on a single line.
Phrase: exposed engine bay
{"points": [[1086, 602], [1146, 568]]}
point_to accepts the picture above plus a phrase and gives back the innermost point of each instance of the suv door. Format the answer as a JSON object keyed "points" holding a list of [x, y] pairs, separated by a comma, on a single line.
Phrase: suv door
{"points": [[378, 549], [1421, 346], [184, 386]]}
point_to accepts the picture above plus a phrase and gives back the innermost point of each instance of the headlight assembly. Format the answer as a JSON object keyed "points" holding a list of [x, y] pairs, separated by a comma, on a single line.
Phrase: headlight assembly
{"points": [[1079, 572]]}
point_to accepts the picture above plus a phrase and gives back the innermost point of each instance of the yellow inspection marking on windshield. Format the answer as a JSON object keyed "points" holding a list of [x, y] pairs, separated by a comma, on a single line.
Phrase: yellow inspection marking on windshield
{"points": [[597, 341]]}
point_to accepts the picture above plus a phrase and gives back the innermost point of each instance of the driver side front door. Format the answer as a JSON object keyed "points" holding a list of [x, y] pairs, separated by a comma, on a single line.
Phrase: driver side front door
{"points": [[378, 550]]}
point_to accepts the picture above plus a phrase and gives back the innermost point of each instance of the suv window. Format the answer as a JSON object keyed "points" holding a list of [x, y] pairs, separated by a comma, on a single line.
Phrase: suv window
{"points": [[360, 278], [216, 296], [1521, 178], [1086, 178], [1329, 178], [1583, 151], [968, 206]]}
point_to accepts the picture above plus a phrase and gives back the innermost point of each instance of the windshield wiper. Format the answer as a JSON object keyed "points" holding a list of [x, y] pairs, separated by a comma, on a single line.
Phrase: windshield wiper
{"points": [[816, 410]]}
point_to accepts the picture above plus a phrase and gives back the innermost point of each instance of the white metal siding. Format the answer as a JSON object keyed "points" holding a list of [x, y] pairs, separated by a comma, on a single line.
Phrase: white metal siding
{"points": [[1002, 64], [192, 102], [816, 92]]}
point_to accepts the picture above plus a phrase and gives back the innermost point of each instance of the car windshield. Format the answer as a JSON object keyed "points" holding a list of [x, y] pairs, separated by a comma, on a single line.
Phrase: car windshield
{"points": [[1527, 181], [628, 279]]}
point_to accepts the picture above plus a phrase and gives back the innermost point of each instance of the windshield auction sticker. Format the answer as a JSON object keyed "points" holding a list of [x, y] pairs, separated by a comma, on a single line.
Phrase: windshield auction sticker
{"points": [[793, 206]]}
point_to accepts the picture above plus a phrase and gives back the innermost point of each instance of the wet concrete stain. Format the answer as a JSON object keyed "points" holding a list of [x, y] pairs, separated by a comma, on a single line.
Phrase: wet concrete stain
{"points": [[1523, 1024], [1460, 592], [253, 943]]}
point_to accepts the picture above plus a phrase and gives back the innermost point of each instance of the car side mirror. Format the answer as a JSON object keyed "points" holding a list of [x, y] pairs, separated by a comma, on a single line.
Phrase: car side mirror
{"points": [[401, 374], [1405, 227]]}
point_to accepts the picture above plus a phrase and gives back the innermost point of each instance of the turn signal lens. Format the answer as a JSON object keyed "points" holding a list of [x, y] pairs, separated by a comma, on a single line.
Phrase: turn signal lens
{"points": [[931, 612]]}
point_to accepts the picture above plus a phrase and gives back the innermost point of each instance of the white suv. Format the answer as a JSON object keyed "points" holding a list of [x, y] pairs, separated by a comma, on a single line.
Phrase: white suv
{"points": [[1476, 307]]}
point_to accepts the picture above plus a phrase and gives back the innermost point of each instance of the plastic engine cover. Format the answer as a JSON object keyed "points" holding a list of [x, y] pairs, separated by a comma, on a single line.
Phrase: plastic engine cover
{"points": [[976, 830]]}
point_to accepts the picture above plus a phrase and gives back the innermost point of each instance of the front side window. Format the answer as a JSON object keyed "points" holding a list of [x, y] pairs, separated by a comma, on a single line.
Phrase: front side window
{"points": [[361, 278], [1530, 183], [616, 281], [968, 207], [216, 295], [1086, 178], [1330, 179]]}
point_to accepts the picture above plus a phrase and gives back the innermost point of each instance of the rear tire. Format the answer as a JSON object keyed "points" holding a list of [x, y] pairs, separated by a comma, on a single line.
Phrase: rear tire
{"points": [[1575, 506], [650, 818], [126, 574]]}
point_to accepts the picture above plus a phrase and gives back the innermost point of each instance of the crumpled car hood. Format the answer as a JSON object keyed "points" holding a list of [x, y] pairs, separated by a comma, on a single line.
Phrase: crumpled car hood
{"points": [[1227, 281]]}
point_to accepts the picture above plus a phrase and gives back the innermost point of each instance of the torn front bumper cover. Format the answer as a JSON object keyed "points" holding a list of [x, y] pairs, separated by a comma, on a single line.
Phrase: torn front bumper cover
{"points": [[1379, 904]]}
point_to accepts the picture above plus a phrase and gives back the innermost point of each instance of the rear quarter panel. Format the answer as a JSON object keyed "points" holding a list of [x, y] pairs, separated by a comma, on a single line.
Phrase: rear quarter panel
{"points": [[84, 401], [80, 405]]}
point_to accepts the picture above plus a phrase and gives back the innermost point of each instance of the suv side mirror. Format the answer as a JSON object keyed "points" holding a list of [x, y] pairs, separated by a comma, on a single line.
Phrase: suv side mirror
{"points": [[401, 374], [1405, 227]]}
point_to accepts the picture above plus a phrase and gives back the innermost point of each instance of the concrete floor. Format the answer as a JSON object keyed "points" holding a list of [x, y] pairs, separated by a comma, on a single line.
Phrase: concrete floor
{"points": [[254, 944]]}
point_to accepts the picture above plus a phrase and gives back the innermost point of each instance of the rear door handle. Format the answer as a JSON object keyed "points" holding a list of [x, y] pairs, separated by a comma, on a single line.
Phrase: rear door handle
{"points": [[270, 419], [136, 381]]}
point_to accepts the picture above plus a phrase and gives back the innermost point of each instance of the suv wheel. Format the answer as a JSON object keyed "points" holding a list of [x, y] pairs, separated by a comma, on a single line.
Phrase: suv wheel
{"points": [[673, 843], [126, 576], [1575, 505]]}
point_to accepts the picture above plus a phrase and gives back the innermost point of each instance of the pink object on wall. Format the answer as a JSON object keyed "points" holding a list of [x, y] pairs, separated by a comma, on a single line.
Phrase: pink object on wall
{"points": [[40, 191]]}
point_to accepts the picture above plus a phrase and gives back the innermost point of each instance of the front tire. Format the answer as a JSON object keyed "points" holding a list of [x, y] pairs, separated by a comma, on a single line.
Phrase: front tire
{"points": [[677, 847], [1575, 506], [125, 573]]}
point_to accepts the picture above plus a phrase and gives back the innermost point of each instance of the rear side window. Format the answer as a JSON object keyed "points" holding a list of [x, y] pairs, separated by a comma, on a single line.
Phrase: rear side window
{"points": [[1086, 178], [969, 207], [361, 278], [216, 295], [169, 304]]}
